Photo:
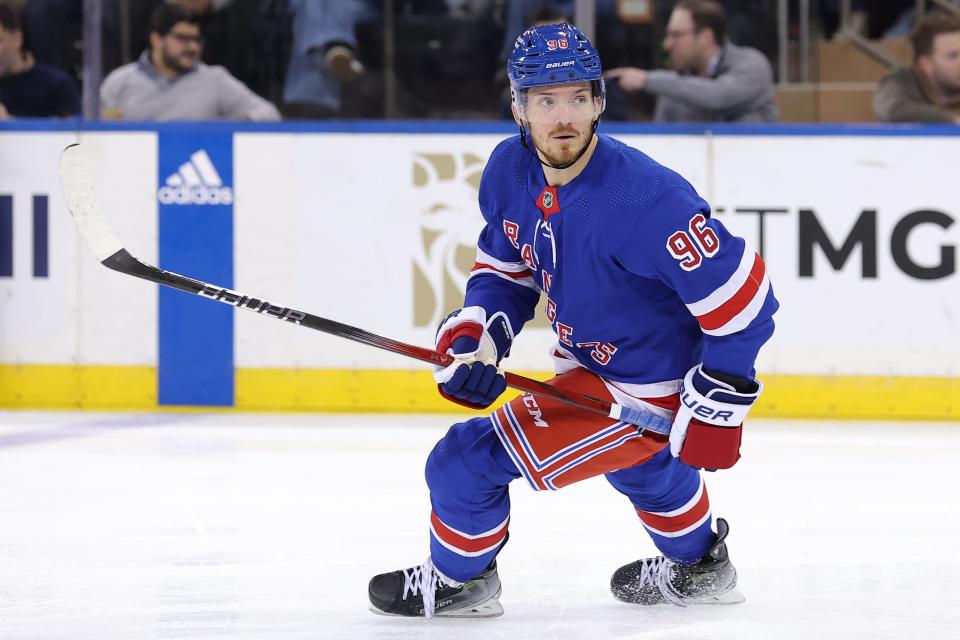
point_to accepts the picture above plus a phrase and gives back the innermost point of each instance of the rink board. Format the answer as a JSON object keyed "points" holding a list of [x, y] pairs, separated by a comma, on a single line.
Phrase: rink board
{"points": [[375, 226]]}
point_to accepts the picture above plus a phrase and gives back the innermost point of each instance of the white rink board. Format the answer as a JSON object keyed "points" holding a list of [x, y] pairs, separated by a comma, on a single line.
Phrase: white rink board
{"points": [[355, 238], [338, 224], [890, 325], [82, 313]]}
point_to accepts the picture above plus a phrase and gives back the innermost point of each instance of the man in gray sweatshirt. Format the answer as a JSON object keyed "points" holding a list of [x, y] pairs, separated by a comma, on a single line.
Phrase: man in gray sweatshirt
{"points": [[169, 82], [713, 81]]}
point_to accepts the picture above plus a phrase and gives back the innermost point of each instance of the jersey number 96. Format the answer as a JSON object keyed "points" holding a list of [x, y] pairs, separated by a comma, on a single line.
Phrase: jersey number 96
{"points": [[692, 246]]}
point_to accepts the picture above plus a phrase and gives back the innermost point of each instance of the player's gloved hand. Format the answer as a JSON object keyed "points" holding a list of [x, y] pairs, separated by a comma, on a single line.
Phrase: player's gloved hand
{"points": [[473, 379], [706, 430]]}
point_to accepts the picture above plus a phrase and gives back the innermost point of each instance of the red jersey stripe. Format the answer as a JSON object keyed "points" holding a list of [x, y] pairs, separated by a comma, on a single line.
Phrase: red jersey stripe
{"points": [[517, 275], [738, 302], [470, 545], [680, 521]]}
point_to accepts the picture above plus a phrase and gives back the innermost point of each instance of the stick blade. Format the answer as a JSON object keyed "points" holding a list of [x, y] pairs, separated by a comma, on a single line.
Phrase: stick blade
{"points": [[76, 182]]}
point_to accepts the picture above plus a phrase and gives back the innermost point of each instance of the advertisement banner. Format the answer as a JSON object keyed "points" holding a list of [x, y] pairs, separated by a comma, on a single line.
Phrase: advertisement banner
{"points": [[378, 230], [195, 196]]}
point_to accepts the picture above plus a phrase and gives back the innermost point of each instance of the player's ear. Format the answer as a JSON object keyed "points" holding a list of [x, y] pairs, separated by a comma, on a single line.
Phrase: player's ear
{"points": [[516, 116]]}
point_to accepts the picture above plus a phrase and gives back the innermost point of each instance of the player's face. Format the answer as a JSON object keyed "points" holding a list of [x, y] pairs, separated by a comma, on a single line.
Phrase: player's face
{"points": [[561, 119], [681, 40], [945, 62], [180, 48]]}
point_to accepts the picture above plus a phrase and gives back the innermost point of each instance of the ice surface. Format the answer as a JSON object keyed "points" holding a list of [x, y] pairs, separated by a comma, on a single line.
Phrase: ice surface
{"points": [[269, 526]]}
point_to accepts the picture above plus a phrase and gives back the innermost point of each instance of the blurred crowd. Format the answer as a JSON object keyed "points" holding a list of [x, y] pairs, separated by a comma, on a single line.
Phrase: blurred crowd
{"points": [[667, 61]]}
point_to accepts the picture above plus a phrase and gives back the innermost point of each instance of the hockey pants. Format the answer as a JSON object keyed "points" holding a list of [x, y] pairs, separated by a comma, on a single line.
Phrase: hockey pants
{"points": [[551, 445]]}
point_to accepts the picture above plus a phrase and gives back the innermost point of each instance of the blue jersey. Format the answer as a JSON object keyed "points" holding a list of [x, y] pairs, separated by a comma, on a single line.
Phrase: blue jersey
{"points": [[641, 283]]}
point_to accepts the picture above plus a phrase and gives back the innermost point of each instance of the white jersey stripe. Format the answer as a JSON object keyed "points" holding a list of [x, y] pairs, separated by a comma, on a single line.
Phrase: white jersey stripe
{"points": [[727, 290], [510, 267], [745, 317], [681, 510], [514, 456], [629, 394], [682, 532], [461, 552], [528, 281]]}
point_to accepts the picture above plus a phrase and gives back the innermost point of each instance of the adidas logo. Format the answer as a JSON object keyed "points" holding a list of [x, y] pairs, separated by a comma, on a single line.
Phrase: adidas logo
{"points": [[195, 182]]}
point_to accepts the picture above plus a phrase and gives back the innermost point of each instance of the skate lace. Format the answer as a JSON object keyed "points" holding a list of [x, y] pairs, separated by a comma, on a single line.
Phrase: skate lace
{"points": [[658, 572], [424, 580]]}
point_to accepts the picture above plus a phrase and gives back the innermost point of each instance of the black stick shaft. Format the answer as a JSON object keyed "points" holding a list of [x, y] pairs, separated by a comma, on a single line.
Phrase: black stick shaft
{"points": [[123, 262]]}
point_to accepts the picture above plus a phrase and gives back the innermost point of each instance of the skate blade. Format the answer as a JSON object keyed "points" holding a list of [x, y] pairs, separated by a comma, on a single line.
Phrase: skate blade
{"points": [[489, 609]]}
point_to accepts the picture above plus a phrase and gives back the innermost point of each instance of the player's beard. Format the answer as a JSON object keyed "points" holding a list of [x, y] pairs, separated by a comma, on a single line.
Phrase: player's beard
{"points": [[560, 152]]}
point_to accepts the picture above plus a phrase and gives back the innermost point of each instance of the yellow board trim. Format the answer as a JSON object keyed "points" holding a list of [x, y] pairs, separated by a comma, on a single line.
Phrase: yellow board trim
{"points": [[54, 386], [347, 391], [413, 391]]}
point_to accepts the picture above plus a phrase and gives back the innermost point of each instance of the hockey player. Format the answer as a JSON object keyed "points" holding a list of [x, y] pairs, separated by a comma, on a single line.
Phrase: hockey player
{"points": [[655, 306]]}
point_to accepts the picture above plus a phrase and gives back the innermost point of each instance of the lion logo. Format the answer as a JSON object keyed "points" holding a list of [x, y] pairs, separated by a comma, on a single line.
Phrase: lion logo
{"points": [[450, 223]]}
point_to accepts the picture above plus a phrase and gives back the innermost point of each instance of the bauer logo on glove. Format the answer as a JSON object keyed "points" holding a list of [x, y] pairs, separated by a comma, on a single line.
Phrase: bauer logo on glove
{"points": [[707, 428]]}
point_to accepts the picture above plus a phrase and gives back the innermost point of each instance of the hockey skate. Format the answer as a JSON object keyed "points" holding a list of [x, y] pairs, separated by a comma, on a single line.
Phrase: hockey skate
{"points": [[711, 580], [425, 592]]}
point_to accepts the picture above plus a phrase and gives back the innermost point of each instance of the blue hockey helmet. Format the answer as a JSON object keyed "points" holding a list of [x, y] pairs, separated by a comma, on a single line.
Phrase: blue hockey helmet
{"points": [[553, 54]]}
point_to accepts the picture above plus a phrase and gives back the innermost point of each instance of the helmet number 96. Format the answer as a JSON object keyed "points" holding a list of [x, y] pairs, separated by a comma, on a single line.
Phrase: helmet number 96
{"points": [[557, 44], [692, 246]]}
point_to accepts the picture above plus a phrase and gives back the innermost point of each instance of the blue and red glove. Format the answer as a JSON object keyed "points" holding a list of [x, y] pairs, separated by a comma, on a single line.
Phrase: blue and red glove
{"points": [[478, 345], [707, 428]]}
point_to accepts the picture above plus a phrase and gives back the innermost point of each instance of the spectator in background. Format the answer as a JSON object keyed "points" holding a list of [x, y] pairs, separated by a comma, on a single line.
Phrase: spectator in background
{"points": [[713, 80], [929, 91], [169, 82], [518, 17], [750, 23], [30, 89], [547, 13], [201, 7], [323, 56], [829, 14]]}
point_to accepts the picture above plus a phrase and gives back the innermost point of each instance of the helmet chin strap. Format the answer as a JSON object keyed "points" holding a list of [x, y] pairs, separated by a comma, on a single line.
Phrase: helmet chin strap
{"points": [[523, 141]]}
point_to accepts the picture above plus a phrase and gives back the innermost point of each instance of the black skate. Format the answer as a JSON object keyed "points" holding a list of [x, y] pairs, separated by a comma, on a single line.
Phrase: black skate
{"points": [[423, 591], [711, 580]]}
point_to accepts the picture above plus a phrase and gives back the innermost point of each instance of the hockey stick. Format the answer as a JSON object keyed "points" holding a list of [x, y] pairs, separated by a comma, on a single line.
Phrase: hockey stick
{"points": [[76, 181]]}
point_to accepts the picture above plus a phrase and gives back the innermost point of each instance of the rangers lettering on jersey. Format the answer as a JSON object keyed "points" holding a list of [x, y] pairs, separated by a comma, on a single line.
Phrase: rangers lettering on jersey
{"points": [[646, 272]]}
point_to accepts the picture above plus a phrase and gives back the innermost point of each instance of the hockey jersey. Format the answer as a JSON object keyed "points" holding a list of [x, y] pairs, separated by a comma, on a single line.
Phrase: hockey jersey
{"points": [[641, 283]]}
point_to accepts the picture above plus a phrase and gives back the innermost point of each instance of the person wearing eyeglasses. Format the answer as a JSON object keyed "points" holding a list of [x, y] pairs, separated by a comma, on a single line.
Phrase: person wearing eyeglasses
{"points": [[713, 80], [169, 81]]}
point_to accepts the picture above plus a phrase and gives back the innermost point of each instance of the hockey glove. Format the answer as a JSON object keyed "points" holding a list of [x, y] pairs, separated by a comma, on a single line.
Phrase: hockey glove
{"points": [[706, 430], [473, 379]]}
